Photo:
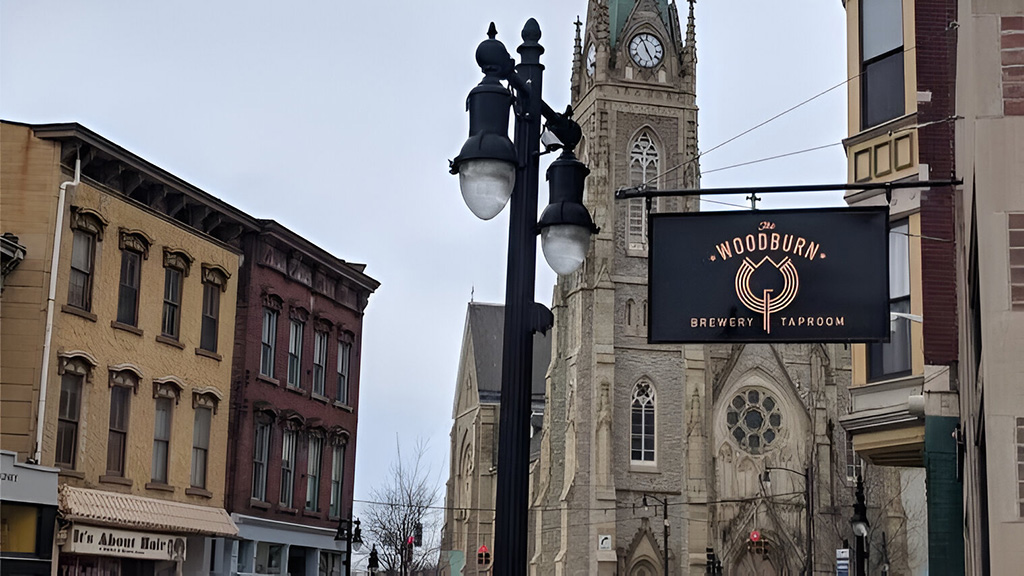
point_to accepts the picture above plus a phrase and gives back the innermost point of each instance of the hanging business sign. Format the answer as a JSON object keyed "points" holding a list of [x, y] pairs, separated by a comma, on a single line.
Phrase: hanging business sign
{"points": [[809, 275], [101, 541]]}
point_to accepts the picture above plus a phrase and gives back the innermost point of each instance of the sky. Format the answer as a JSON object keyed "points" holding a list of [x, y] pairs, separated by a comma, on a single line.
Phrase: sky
{"points": [[337, 119]]}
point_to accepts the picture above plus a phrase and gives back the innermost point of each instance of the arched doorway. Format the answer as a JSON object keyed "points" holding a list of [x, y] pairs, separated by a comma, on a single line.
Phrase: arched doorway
{"points": [[643, 568], [754, 564]]}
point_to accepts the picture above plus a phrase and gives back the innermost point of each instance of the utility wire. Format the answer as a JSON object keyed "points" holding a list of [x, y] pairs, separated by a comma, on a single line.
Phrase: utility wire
{"points": [[951, 26], [776, 157]]}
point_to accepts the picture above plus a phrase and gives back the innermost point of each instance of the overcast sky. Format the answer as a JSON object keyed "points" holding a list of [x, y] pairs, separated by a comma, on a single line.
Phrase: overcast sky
{"points": [[337, 119]]}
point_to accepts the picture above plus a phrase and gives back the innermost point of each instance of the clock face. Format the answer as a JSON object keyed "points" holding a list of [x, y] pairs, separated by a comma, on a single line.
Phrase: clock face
{"points": [[591, 60], [646, 50]]}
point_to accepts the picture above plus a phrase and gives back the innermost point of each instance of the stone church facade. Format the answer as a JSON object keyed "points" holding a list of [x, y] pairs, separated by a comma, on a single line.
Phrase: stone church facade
{"points": [[648, 451]]}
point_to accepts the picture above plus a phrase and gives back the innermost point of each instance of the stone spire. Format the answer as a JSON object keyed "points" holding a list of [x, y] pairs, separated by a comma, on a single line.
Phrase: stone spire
{"points": [[690, 52], [577, 58]]}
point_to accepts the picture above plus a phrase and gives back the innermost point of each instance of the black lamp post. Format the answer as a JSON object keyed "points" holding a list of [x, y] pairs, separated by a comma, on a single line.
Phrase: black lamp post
{"points": [[860, 524], [664, 517], [808, 508], [351, 534], [373, 564], [492, 169]]}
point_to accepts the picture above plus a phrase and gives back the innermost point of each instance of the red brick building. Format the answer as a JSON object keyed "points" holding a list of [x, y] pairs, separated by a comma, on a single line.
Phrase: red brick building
{"points": [[294, 405]]}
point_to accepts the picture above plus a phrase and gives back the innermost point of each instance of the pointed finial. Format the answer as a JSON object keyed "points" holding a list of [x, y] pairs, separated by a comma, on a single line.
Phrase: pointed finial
{"points": [[530, 48], [492, 31], [531, 31]]}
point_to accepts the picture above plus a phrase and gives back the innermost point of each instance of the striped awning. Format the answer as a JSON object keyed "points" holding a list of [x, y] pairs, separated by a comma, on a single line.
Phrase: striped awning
{"points": [[130, 511]]}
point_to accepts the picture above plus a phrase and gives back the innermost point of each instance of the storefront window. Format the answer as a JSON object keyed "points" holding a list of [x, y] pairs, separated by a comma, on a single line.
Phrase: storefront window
{"points": [[18, 528], [268, 558]]}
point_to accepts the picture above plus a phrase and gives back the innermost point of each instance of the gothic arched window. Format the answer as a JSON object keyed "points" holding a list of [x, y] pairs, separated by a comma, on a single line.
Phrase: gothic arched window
{"points": [[642, 422], [643, 169]]}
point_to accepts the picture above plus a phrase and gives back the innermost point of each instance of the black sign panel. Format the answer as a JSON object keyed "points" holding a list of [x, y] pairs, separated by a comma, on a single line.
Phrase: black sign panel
{"points": [[811, 275]]}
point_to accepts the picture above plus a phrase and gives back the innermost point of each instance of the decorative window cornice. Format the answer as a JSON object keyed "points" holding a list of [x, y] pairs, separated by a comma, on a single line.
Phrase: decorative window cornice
{"points": [[323, 324], [316, 432], [88, 220], [298, 313], [337, 436], [125, 375], [206, 397], [134, 240], [78, 362], [271, 300], [176, 258], [264, 412], [292, 420], [168, 387], [216, 275]]}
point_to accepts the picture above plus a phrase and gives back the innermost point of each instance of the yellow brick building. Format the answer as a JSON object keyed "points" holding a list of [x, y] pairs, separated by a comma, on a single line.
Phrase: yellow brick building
{"points": [[117, 346]]}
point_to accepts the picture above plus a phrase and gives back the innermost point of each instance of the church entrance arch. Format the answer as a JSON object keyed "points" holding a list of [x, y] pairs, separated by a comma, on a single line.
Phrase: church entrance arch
{"points": [[643, 568], [753, 564]]}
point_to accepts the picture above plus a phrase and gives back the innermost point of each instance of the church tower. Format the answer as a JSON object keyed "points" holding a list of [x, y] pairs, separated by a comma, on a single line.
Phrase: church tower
{"points": [[614, 424]]}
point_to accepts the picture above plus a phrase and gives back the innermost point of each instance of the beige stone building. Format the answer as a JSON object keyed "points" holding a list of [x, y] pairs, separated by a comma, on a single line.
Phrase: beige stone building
{"points": [[117, 337], [990, 256]]}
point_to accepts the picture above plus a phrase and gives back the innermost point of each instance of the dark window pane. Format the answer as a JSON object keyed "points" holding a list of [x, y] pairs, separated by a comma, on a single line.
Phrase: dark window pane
{"points": [[67, 442], [115, 454], [769, 403], [172, 302], [80, 280], [128, 294], [775, 419], [738, 434], [269, 342], [738, 402], [732, 418], [883, 97], [769, 436], [753, 420], [211, 311], [116, 440], [753, 396]]}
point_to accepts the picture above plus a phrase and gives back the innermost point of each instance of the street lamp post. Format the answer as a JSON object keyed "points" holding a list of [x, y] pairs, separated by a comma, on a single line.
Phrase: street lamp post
{"points": [[664, 518], [351, 534], [860, 525], [808, 509], [491, 170], [373, 564]]}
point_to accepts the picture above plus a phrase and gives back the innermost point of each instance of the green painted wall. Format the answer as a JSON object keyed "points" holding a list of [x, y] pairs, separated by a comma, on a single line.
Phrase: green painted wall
{"points": [[945, 497]]}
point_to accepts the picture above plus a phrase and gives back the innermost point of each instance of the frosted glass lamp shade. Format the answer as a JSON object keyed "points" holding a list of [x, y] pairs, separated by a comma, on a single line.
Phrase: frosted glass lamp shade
{"points": [[486, 185], [565, 246]]}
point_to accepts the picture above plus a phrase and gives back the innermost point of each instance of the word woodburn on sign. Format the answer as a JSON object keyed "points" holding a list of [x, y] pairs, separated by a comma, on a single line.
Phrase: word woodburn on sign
{"points": [[807, 275]]}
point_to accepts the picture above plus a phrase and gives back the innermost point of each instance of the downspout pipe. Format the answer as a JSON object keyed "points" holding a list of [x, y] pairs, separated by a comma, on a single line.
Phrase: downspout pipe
{"points": [[44, 373]]}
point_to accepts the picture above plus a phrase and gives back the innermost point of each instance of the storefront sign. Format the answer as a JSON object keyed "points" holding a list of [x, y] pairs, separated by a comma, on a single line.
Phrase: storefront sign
{"points": [[20, 482], [814, 275], [124, 543]]}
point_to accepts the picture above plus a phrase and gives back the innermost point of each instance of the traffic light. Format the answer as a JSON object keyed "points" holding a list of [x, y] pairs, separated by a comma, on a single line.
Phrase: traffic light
{"points": [[418, 534]]}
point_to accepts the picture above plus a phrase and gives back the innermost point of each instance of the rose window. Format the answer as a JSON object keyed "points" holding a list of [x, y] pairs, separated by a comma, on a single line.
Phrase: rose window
{"points": [[754, 420]]}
